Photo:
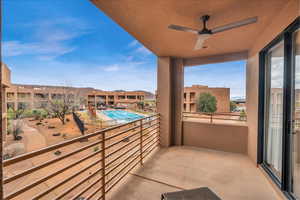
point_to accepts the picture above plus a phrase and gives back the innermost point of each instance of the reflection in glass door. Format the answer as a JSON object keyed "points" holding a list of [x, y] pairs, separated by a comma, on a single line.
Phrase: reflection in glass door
{"points": [[296, 118], [274, 108]]}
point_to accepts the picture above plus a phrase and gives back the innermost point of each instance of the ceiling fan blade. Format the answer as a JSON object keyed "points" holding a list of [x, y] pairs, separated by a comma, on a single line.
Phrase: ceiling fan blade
{"points": [[234, 25], [200, 41], [182, 28]]}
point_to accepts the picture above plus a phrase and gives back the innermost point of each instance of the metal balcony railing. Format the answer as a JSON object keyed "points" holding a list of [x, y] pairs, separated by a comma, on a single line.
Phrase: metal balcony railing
{"points": [[86, 167], [215, 116]]}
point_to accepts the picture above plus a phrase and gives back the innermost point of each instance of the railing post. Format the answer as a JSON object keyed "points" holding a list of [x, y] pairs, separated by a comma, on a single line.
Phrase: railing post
{"points": [[103, 165], [141, 141]]}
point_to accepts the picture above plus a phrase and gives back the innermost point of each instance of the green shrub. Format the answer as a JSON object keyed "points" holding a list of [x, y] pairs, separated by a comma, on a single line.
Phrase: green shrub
{"points": [[96, 148], [207, 103]]}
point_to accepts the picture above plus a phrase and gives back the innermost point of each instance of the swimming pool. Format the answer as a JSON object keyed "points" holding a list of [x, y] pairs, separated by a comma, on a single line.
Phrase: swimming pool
{"points": [[121, 116]]}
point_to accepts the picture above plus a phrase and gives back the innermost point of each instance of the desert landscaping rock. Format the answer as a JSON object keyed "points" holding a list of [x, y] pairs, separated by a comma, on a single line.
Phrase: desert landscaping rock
{"points": [[14, 149], [56, 134]]}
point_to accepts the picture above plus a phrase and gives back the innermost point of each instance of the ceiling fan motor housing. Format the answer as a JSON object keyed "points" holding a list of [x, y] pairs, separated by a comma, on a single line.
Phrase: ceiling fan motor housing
{"points": [[205, 30]]}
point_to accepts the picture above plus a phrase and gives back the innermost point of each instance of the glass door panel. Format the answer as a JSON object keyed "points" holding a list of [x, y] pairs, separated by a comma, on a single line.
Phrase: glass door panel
{"points": [[296, 118], [274, 108]]}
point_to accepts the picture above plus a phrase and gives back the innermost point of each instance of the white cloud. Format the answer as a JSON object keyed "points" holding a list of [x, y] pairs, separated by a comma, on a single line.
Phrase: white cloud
{"points": [[50, 39], [112, 68], [133, 43], [17, 48], [143, 50]]}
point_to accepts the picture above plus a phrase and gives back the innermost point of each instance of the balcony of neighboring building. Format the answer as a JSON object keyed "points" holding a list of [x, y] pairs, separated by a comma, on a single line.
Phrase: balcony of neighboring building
{"points": [[10, 96], [41, 96], [24, 96]]}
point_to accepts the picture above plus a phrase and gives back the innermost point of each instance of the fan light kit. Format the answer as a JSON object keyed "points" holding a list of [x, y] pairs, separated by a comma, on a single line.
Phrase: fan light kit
{"points": [[205, 33]]}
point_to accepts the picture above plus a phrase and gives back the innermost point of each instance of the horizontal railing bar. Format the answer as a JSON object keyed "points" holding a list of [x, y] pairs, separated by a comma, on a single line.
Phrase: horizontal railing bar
{"points": [[147, 122], [130, 136], [151, 149], [65, 143], [151, 130], [44, 150], [122, 132], [151, 141], [151, 126], [117, 150], [30, 170], [66, 180], [101, 197], [155, 143], [153, 134], [77, 184], [124, 160], [124, 153], [204, 117], [118, 180], [94, 193], [203, 113], [27, 187], [122, 169], [119, 141], [86, 189]]}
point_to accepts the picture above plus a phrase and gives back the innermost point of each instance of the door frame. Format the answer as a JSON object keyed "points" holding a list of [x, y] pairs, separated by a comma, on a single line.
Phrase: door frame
{"points": [[285, 183]]}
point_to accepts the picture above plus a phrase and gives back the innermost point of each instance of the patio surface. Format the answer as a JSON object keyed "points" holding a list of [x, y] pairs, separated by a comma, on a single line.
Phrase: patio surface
{"points": [[231, 176]]}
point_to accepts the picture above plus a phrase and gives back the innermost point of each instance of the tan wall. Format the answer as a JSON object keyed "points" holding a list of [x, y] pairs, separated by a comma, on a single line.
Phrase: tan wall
{"points": [[4, 114], [5, 75], [222, 95], [222, 137], [5, 83], [164, 99], [285, 17]]}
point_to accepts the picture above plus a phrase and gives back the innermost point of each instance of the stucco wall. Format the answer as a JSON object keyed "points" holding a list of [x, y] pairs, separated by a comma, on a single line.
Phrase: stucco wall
{"points": [[222, 137], [222, 95], [164, 99], [5, 75], [285, 17]]}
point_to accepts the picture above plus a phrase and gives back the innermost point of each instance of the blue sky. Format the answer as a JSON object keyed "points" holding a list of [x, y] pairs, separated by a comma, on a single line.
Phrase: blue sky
{"points": [[71, 42]]}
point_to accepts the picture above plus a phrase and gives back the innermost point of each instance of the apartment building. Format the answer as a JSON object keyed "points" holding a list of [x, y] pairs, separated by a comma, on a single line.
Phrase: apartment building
{"points": [[117, 98], [5, 83], [37, 96], [191, 95]]}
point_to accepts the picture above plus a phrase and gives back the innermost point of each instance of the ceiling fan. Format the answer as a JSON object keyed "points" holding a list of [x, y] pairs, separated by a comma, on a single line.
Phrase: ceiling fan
{"points": [[205, 33]]}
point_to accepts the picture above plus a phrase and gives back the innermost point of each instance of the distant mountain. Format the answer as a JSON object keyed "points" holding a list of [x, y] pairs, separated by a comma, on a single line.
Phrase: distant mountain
{"points": [[237, 98], [148, 95]]}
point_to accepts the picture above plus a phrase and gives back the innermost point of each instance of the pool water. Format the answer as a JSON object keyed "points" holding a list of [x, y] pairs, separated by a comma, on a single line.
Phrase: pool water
{"points": [[121, 115]]}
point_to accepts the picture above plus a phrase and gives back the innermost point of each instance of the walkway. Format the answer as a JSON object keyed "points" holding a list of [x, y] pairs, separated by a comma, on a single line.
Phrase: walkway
{"points": [[33, 140]]}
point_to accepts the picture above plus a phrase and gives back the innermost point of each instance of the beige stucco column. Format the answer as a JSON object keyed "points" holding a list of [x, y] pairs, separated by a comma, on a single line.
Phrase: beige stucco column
{"points": [[170, 99]]}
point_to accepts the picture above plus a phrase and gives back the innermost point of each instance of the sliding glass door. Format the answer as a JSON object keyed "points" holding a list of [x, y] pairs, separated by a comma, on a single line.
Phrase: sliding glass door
{"points": [[274, 107], [279, 110], [295, 149]]}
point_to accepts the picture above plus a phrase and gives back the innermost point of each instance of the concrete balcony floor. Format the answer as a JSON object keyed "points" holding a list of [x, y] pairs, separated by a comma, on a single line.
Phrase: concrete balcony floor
{"points": [[231, 176]]}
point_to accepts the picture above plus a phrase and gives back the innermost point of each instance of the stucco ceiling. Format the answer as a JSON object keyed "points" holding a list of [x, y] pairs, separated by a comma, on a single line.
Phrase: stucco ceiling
{"points": [[147, 21]]}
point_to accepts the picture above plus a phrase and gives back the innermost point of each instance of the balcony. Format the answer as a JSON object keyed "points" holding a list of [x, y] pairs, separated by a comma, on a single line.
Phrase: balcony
{"points": [[134, 168], [88, 166], [230, 175]]}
